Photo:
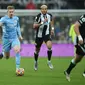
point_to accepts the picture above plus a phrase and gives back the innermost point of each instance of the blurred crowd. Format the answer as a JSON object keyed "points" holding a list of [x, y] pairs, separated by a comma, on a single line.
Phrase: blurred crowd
{"points": [[35, 4], [62, 27], [62, 24]]}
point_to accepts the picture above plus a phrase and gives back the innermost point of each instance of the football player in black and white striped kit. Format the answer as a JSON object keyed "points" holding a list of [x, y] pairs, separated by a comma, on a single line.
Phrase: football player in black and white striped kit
{"points": [[79, 28], [44, 29]]}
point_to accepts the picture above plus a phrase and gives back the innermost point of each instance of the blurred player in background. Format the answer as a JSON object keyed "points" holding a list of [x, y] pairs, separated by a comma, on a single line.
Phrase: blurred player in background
{"points": [[44, 29], [72, 33], [79, 42], [11, 35]]}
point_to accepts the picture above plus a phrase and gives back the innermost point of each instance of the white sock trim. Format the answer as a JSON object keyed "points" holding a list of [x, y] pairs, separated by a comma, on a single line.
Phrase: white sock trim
{"points": [[73, 61]]}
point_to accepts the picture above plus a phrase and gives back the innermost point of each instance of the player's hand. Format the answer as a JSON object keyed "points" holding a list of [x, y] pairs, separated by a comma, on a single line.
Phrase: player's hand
{"points": [[21, 38], [52, 32], [80, 39], [45, 20]]}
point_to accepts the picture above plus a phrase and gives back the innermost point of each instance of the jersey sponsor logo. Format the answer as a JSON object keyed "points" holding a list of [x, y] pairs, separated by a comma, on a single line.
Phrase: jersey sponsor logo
{"points": [[83, 19]]}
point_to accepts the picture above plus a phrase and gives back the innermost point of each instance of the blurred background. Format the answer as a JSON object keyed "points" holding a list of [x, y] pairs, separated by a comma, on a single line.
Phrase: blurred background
{"points": [[65, 13], [59, 9]]}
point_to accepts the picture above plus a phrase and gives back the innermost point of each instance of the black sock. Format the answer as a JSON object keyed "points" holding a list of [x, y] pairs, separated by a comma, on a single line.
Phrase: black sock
{"points": [[49, 52], [35, 56], [1, 55], [71, 66], [84, 71]]}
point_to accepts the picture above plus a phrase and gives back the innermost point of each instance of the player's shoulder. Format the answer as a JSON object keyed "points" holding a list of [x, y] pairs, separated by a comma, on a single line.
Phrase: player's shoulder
{"points": [[4, 17], [49, 14], [16, 17], [38, 15], [82, 16]]}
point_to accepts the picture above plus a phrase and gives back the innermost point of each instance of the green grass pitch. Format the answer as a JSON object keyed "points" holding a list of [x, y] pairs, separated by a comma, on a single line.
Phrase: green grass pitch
{"points": [[44, 75]]}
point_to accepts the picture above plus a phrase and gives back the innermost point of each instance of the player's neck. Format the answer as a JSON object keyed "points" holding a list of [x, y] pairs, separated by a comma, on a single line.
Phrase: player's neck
{"points": [[10, 16]]}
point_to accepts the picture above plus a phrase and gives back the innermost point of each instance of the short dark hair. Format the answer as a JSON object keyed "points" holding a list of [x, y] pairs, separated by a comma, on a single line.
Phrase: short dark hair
{"points": [[10, 7]]}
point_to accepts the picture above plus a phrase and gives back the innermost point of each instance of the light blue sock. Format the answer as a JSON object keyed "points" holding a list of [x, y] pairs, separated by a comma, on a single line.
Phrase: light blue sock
{"points": [[17, 60]]}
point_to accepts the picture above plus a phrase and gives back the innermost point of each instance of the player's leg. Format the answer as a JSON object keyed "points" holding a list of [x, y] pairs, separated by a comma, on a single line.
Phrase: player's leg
{"points": [[36, 53], [6, 49], [48, 42], [84, 73], [79, 55], [5, 54], [38, 43], [16, 47], [1, 55], [49, 53]]}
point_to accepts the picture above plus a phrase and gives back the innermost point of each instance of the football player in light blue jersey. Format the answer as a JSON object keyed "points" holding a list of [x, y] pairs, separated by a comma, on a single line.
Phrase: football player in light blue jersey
{"points": [[11, 35]]}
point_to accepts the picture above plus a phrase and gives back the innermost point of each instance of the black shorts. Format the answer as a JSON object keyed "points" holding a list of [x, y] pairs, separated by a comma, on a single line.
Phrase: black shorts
{"points": [[78, 49], [39, 41]]}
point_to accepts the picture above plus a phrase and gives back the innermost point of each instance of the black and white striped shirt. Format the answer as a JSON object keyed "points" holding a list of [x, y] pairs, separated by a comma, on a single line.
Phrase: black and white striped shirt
{"points": [[82, 26], [46, 27]]}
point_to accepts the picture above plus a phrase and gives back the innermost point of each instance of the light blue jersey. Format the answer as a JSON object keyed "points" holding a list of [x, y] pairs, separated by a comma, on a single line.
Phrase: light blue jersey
{"points": [[11, 27], [11, 32]]}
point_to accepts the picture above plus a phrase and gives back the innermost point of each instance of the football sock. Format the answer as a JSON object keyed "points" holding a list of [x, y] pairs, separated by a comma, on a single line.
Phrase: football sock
{"points": [[84, 71], [17, 60], [71, 66], [49, 52], [1, 55], [36, 56]]}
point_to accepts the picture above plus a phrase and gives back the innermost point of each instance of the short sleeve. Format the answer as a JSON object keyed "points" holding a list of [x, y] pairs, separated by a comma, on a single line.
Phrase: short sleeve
{"points": [[2, 20], [82, 19], [37, 19]]}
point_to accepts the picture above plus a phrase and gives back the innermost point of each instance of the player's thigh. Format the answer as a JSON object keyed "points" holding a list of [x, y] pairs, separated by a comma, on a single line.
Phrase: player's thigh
{"points": [[6, 45], [79, 51], [49, 44], [38, 43], [78, 58], [16, 45], [48, 41], [79, 54]]}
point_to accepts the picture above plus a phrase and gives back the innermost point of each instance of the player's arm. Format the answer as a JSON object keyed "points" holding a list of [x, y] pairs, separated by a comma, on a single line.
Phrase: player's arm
{"points": [[76, 29], [52, 25], [1, 22], [36, 25], [0, 25], [37, 22], [19, 32]]}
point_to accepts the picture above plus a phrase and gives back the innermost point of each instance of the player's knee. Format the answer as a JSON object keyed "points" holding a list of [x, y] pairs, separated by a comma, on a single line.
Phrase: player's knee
{"points": [[37, 50], [49, 46], [17, 50], [49, 49], [78, 60]]}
